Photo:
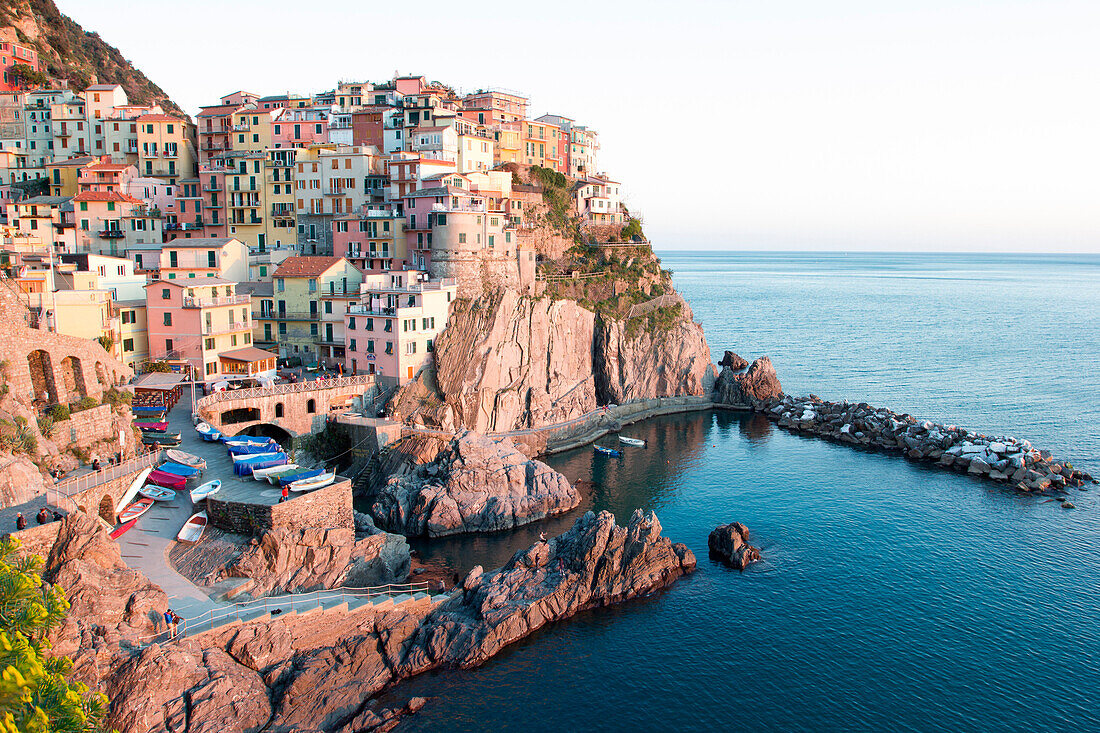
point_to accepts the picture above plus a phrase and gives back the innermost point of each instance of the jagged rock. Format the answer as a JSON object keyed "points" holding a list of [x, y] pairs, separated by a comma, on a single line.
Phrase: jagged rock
{"points": [[292, 561], [733, 361], [731, 543], [480, 485], [595, 563], [757, 387], [103, 592]]}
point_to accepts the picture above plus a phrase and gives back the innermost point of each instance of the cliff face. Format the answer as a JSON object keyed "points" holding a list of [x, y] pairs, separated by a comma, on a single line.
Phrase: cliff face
{"points": [[72, 53], [673, 361], [510, 362]]}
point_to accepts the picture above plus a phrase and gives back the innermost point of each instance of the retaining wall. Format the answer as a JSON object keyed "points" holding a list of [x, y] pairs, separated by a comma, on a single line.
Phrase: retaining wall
{"points": [[327, 508]]}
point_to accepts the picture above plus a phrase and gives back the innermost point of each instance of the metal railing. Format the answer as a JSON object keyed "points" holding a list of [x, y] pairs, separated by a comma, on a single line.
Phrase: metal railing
{"points": [[191, 301], [640, 309], [215, 618], [355, 380], [71, 486]]}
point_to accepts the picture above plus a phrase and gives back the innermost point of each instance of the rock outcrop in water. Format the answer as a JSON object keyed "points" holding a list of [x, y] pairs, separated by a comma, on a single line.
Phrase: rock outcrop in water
{"points": [[1005, 459], [321, 671], [755, 387], [731, 543], [474, 484], [733, 361], [293, 561], [510, 362], [595, 563]]}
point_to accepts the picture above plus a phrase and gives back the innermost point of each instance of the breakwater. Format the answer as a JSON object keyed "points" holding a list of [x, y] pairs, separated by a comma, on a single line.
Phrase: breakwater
{"points": [[999, 458]]}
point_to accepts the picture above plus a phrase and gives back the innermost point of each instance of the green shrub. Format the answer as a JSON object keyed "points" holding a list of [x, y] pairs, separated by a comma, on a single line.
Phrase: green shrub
{"points": [[59, 413], [45, 425], [116, 398], [86, 403]]}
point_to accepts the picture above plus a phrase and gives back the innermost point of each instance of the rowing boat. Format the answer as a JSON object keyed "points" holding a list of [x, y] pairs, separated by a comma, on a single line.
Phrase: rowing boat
{"points": [[192, 529], [178, 469], [152, 427], [632, 441], [135, 510], [607, 451], [187, 459], [122, 529], [201, 492], [160, 439], [267, 474], [314, 482], [157, 493]]}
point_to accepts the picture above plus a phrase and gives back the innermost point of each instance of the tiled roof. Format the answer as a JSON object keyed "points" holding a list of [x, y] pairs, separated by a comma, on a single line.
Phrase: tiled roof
{"points": [[101, 87], [310, 266], [158, 118], [248, 353], [202, 242], [108, 167]]}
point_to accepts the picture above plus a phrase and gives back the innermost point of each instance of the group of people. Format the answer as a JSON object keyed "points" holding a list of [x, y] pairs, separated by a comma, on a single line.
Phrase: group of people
{"points": [[42, 517], [171, 621]]}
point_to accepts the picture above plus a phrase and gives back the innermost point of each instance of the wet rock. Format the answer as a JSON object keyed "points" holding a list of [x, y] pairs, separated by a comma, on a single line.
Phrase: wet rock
{"points": [[731, 543]]}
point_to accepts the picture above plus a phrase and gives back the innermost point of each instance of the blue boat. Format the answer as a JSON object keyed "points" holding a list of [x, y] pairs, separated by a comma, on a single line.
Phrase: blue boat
{"points": [[212, 437], [178, 469], [608, 451], [292, 477], [147, 411], [237, 450]]}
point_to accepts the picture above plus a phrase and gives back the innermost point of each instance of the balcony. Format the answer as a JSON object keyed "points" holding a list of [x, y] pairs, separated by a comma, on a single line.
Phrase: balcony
{"points": [[111, 234], [338, 191], [366, 310], [210, 187], [292, 316], [250, 187], [171, 154], [232, 327], [193, 302], [242, 128]]}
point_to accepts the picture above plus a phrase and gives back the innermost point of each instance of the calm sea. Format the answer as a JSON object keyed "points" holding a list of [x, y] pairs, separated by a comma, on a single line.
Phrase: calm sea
{"points": [[892, 596]]}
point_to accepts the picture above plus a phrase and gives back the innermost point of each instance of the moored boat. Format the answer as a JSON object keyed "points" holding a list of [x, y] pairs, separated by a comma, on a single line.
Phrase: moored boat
{"points": [[131, 492], [313, 482], [632, 441], [607, 451], [135, 510], [187, 459], [289, 478], [152, 427], [167, 480], [268, 474], [122, 529], [205, 428], [160, 439], [253, 457], [201, 492], [192, 529], [178, 469], [157, 493]]}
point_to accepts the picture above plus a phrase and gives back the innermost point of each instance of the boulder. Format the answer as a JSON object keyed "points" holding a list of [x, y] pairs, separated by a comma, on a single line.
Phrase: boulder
{"points": [[730, 542], [733, 361]]}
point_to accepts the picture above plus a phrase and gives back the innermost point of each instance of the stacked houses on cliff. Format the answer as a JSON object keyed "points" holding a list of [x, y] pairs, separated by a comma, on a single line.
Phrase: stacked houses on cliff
{"points": [[331, 228]]}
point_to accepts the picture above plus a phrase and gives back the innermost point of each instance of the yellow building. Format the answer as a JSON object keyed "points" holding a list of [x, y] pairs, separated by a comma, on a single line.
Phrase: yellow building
{"points": [[63, 174], [166, 147], [250, 129], [304, 290], [133, 332], [540, 144], [509, 143]]}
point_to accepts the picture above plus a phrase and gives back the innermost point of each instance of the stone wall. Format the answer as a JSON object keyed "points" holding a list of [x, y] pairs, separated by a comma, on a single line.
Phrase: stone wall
{"points": [[484, 271], [86, 428], [326, 508], [36, 539]]}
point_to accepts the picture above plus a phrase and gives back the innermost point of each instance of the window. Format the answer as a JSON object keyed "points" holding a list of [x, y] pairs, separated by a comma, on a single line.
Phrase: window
{"points": [[351, 323], [462, 238], [168, 346], [311, 406], [212, 258], [430, 347], [212, 368], [167, 318], [410, 348], [127, 344], [165, 294], [389, 347], [370, 324], [279, 284], [209, 344], [351, 344], [370, 346]]}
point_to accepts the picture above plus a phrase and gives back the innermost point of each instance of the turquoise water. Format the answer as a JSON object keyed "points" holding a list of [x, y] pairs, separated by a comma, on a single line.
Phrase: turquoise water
{"points": [[892, 596]]}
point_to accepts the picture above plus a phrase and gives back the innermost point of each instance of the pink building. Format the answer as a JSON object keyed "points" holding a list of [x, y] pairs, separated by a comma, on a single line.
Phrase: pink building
{"points": [[197, 321], [106, 177], [183, 215], [298, 128], [428, 208], [374, 241]]}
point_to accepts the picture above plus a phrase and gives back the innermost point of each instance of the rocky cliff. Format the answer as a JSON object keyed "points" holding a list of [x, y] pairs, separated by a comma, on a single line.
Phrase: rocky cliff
{"points": [[510, 362], [321, 672], [71, 53], [473, 484]]}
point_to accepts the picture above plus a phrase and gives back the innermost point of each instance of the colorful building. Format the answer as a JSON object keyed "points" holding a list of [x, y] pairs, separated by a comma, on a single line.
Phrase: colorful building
{"points": [[304, 289]]}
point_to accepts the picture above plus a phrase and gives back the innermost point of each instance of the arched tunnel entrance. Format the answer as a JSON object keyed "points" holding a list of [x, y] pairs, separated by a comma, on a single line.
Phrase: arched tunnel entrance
{"points": [[268, 430]]}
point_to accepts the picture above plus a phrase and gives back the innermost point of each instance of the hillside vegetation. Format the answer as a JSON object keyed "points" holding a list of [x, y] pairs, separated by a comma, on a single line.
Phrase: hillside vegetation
{"points": [[72, 53]]}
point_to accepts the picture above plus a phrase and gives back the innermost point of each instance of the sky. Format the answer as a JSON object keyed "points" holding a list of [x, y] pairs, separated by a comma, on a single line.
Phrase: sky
{"points": [[770, 124]]}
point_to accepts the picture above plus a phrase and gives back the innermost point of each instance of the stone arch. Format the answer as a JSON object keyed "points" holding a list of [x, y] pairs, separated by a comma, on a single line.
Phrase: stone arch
{"points": [[268, 430], [107, 508], [311, 405], [101, 374], [42, 379], [278, 409], [72, 374], [240, 414]]}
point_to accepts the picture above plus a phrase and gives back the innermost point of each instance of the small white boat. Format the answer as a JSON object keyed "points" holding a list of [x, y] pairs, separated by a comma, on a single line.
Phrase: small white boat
{"points": [[265, 474], [157, 493], [248, 441], [250, 456], [201, 492], [134, 511], [131, 492], [632, 441], [186, 459], [317, 482], [192, 529], [205, 428]]}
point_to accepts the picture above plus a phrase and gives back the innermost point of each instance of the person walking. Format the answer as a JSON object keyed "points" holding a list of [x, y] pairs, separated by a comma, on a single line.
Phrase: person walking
{"points": [[20, 521], [286, 494], [43, 516], [169, 622]]}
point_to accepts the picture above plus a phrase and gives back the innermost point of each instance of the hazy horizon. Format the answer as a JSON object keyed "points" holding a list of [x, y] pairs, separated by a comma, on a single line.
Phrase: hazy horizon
{"points": [[933, 126]]}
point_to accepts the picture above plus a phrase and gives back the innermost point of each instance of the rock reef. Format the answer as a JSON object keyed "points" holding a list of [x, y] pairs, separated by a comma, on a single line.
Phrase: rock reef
{"points": [[1004, 459], [322, 671], [473, 484], [730, 542], [757, 386], [294, 561]]}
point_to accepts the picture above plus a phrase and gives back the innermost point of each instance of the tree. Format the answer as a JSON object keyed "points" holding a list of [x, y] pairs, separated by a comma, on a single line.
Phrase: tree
{"points": [[27, 76], [158, 366], [34, 695]]}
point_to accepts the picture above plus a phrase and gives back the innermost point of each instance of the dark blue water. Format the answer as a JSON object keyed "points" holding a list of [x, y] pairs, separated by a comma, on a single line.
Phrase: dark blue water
{"points": [[892, 596]]}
